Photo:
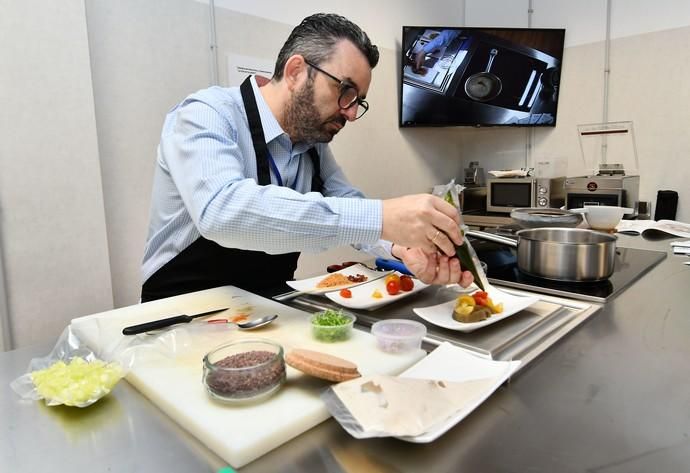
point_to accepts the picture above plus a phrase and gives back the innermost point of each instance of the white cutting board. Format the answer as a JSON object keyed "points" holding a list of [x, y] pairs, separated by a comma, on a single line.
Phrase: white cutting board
{"points": [[236, 433]]}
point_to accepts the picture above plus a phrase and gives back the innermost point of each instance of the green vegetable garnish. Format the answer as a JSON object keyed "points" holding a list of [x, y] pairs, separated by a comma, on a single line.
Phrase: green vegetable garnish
{"points": [[76, 383], [331, 318], [331, 326]]}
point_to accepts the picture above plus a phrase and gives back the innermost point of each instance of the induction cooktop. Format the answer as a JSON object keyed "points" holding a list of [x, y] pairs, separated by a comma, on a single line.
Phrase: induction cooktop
{"points": [[630, 264]]}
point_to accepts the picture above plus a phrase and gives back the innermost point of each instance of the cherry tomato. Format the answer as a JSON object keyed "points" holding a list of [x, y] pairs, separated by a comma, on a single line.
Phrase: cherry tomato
{"points": [[480, 297], [392, 277], [393, 287], [406, 283], [346, 293]]}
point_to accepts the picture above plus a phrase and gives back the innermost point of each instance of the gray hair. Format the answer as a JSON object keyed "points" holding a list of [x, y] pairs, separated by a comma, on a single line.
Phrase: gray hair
{"points": [[315, 39]]}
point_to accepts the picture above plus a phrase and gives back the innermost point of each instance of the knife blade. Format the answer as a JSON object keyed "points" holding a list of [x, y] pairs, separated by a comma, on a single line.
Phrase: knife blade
{"points": [[162, 323]]}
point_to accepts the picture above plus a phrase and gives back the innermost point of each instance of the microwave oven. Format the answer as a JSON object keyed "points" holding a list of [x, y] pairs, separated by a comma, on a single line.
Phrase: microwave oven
{"points": [[506, 194]]}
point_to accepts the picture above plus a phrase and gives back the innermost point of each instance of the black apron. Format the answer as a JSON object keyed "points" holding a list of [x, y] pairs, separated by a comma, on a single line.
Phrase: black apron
{"points": [[205, 264]]}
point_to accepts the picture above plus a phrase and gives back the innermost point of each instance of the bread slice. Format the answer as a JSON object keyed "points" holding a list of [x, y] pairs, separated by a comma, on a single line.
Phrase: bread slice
{"points": [[322, 365]]}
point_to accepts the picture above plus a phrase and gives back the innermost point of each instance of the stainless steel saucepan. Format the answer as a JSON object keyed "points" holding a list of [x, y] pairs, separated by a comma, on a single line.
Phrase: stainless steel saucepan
{"points": [[561, 254], [484, 86]]}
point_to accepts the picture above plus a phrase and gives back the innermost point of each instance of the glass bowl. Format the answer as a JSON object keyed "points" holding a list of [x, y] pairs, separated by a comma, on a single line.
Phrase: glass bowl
{"points": [[398, 335], [332, 325], [244, 371]]}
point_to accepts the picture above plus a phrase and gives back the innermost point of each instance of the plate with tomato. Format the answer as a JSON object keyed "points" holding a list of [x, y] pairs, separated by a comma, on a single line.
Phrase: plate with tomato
{"points": [[374, 294], [348, 276], [503, 305]]}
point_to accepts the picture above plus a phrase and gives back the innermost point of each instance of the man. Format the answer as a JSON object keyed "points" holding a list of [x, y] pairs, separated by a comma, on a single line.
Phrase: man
{"points": [[443, 39], [244, 178]]}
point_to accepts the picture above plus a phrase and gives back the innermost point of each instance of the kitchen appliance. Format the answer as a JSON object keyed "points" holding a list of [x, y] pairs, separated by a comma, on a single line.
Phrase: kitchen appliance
{"points": [[617, 190], [560, 254], [473, 175], [473, 76], [629, 265], [508, 193], [473, 199], [484, 86], [608, 149], [666, 205]]}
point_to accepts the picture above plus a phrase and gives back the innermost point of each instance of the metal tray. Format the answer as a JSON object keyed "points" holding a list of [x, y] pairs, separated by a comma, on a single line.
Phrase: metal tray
{"points": [[522, 336]]}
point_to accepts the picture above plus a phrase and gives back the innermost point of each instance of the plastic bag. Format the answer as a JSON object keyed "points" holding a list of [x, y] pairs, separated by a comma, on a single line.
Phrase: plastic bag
{"points": [[466, 254], [72, 374]]}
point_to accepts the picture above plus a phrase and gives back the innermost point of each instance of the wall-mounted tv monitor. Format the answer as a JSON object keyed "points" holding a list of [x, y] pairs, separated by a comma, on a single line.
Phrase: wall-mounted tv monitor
{"points": [[458, 76]]}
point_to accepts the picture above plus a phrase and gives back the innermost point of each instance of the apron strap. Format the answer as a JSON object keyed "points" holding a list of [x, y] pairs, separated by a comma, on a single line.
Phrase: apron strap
{"points": [[257, 131]]}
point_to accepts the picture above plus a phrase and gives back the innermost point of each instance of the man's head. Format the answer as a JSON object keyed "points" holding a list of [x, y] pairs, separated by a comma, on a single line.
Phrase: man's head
{"points": [[326, 65], [316, 36]]}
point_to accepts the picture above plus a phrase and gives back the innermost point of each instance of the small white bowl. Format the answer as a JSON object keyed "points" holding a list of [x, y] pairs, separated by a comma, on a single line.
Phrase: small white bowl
{"points": [[603, 217]]}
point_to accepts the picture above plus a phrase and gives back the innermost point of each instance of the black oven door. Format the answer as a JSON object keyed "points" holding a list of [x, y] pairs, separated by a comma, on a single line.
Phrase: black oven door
{"points": [[577, 201], [505, 196]]}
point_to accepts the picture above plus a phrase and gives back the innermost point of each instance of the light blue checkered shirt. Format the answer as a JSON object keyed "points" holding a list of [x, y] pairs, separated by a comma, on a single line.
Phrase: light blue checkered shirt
{"points": [[205, 183]]}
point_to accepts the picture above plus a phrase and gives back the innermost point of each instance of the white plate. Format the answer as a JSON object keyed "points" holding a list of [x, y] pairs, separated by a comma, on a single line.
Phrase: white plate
{"points": [[442, 314], [309, 285], [451, 363], [362, 299]]}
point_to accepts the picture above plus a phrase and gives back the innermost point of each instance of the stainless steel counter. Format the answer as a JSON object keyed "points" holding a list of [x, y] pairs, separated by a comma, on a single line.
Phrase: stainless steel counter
{"points": [[611, 396]]}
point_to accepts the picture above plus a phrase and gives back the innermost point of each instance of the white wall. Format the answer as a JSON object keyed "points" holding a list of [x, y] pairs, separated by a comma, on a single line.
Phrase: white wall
{"points": [[382, 20], [52, 223], [145, 57]]}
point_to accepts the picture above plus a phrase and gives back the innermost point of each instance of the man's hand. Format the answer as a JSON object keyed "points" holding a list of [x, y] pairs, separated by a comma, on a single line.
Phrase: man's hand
{"points": [[433, 268], [419, 61], [422, 221]]}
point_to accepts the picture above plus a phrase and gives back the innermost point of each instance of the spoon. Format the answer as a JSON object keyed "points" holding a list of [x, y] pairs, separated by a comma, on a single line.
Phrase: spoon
{"points": [[249, 325]]}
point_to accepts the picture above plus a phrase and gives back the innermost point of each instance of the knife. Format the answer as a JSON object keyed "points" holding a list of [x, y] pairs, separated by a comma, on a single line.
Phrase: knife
{"points": [[162, 323]]}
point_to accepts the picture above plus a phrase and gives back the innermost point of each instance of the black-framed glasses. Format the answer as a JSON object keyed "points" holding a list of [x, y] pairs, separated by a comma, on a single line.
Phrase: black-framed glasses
{"points": [[349, 95]]}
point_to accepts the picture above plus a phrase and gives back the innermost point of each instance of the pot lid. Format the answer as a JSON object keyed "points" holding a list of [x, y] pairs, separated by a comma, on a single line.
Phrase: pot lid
{"points": [[536, 218]]}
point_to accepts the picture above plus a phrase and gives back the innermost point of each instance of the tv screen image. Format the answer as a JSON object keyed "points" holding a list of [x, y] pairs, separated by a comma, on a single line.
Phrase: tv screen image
{"points": [[462, 76]]}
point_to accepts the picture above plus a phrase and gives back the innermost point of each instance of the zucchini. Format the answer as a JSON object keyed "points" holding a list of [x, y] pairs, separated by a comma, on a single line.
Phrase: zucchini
{"points": [[465, 252]]}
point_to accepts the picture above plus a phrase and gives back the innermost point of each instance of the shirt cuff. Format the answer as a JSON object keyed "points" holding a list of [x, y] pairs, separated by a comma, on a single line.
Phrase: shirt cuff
{"points": [[361, 220]]}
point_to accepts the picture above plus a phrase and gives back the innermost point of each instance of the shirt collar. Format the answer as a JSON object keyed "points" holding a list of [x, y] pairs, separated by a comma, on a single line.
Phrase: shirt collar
{"points": [[272, 128]]}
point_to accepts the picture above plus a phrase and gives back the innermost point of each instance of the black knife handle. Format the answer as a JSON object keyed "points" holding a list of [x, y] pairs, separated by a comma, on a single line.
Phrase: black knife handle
{"points": [[156, 324]]}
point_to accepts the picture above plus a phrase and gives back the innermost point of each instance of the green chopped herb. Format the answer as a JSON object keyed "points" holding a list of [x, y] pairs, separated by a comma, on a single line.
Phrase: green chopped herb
{"points": [[331, 326], [331, 318]]}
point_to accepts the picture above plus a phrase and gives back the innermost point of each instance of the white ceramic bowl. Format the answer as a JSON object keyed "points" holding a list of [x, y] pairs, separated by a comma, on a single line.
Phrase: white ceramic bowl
{"points": [[603, 217]]}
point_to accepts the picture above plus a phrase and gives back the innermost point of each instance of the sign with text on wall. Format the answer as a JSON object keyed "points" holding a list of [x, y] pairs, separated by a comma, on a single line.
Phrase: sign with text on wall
{"points": [[239, 67]]}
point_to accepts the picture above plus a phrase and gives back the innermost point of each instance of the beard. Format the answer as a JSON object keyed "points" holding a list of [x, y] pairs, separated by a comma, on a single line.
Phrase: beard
{"points": [[303, 122]]}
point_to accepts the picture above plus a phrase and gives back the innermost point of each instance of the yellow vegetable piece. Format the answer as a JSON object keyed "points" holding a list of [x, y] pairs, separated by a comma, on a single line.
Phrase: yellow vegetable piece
{"points": [[467, 300], [392, 277], [377, 294], [77, 383], [464, 309]]}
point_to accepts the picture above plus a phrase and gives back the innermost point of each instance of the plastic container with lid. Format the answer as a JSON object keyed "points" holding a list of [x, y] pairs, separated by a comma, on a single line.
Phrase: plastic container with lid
{"points": [[332, 326], [244, 371], [398, 335]]}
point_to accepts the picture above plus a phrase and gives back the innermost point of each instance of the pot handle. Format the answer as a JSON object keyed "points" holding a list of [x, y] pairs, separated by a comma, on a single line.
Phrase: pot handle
{"points": [[492, 237], [492, 56]]}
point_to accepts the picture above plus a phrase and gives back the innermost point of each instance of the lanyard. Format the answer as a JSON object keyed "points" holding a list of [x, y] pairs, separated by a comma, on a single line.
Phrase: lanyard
{"points": [[279, 178]]}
